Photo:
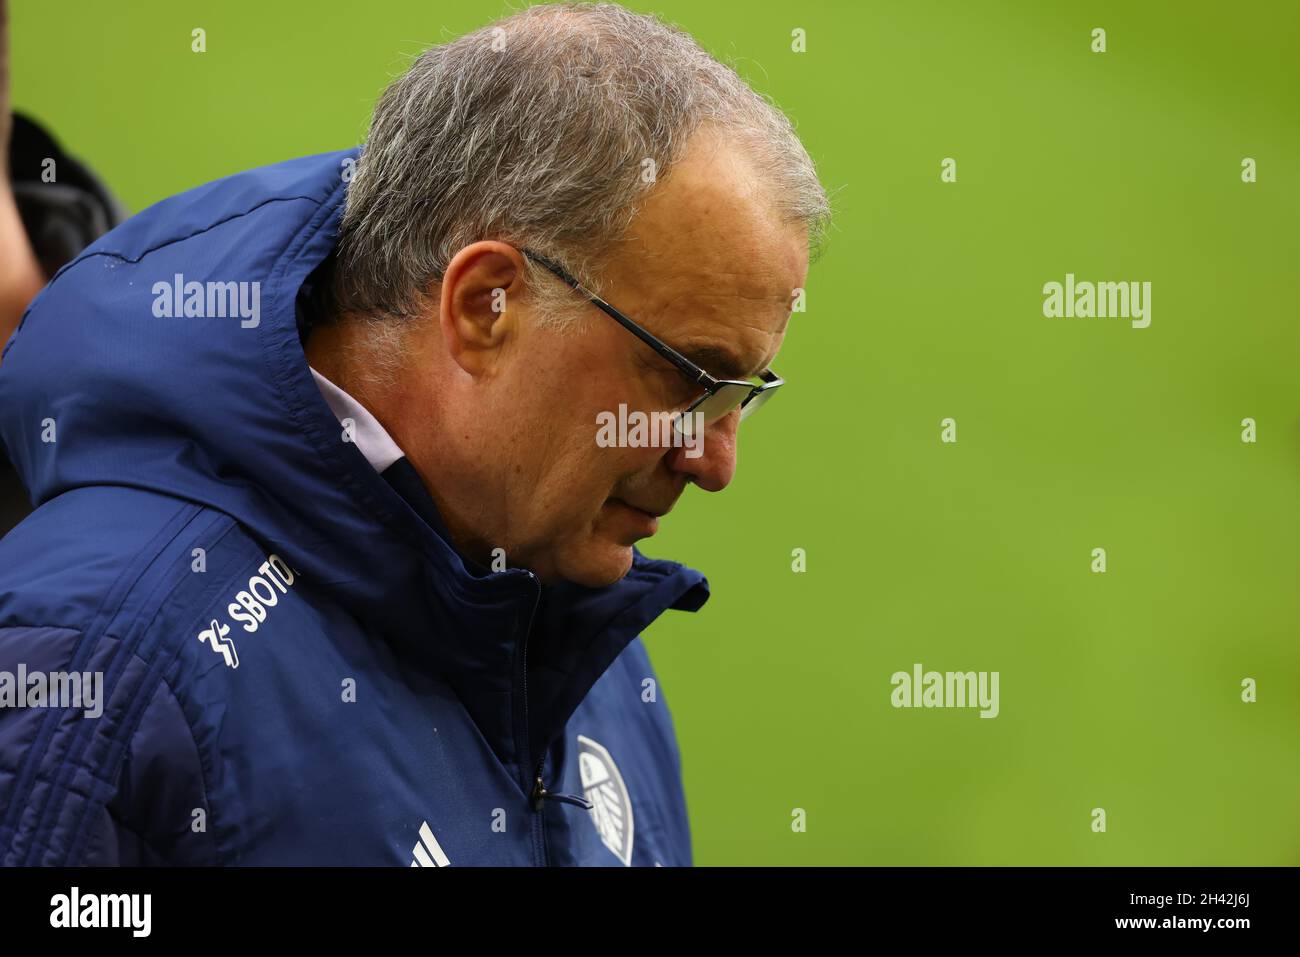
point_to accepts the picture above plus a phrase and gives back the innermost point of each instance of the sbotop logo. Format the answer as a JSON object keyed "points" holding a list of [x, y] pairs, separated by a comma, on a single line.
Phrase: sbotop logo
{"points": [[208, 300], [250, 607], [636, 430]]}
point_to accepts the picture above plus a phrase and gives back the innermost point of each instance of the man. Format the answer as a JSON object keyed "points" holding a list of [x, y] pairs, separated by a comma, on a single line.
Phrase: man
{"points": [[374, 599]]}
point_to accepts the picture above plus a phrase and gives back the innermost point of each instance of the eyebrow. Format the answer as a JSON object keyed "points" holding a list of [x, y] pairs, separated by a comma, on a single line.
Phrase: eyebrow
{"points": [[718, 361]]}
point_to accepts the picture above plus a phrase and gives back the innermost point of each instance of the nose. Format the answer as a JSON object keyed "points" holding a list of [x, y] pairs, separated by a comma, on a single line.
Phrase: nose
{"points": [[710, 463]]}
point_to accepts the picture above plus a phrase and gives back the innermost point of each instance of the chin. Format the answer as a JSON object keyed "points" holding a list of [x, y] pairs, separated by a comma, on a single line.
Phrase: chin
{"points": [[601, 564]]}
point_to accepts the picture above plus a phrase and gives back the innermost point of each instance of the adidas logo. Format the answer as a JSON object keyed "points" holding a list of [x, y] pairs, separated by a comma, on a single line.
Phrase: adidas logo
{"points": [[428, 853]]}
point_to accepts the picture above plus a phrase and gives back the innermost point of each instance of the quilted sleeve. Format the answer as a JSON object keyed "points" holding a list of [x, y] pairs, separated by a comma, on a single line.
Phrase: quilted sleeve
{"points": [[97, 762]]}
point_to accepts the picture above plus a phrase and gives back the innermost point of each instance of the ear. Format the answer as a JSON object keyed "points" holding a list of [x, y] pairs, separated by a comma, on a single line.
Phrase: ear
{"points": [[478, 286]]}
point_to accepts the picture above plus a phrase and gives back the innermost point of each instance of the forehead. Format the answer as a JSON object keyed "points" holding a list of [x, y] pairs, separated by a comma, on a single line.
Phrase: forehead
{"points": [[708, 266]]}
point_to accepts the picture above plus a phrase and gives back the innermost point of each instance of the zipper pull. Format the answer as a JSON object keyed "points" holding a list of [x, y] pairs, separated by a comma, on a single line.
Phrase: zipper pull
{"points": [[540, 794]]}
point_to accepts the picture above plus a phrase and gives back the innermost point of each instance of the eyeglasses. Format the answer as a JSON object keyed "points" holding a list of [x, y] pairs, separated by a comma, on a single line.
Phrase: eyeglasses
{"points": [[721, 396]]}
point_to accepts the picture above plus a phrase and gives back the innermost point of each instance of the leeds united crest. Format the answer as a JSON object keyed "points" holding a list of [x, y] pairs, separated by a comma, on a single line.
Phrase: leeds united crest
{"points": [[611, 808]]}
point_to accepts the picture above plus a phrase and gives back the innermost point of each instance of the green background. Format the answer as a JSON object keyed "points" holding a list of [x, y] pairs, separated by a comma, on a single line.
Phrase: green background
{"points": [[1118, 690]]}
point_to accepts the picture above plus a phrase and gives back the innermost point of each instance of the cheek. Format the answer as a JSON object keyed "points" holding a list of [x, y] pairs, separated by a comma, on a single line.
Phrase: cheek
{"points": [[588, 474], [574, 475], [561, 467]]}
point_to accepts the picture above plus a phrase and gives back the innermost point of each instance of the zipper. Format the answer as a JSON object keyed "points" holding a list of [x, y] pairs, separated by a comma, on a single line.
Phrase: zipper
{"points": [[522, 735], [532, 615], [539, 791]]}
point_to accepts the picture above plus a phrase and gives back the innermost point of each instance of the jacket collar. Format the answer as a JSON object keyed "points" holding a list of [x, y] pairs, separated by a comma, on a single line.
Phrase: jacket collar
{"points": [[569, 644]]}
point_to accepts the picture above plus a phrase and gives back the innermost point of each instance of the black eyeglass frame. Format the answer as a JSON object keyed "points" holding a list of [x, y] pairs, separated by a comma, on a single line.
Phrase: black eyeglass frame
{"points": [[697, 375]]}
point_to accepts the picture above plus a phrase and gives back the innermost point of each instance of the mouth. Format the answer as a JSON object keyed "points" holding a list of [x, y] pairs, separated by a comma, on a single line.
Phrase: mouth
{"points": [[644, 520], [650, 513]]}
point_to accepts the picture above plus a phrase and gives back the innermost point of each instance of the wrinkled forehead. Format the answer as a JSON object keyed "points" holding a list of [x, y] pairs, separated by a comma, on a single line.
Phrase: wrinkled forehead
{"points": [[715, 216]]}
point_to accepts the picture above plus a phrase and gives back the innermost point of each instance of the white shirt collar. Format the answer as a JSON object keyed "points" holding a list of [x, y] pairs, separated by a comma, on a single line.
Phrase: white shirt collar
{"points": [[370, 438]]}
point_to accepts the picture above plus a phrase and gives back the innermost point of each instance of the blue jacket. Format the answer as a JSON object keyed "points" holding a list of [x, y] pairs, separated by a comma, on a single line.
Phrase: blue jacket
{"points": [[296, 666]]}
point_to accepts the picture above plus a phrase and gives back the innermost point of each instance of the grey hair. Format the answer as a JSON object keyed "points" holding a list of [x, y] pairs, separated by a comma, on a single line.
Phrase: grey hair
{"points": [[535, 130]]}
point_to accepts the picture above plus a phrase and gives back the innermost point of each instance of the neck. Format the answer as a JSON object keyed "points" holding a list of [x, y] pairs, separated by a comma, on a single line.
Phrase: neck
{"points": [[343, 352]]}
